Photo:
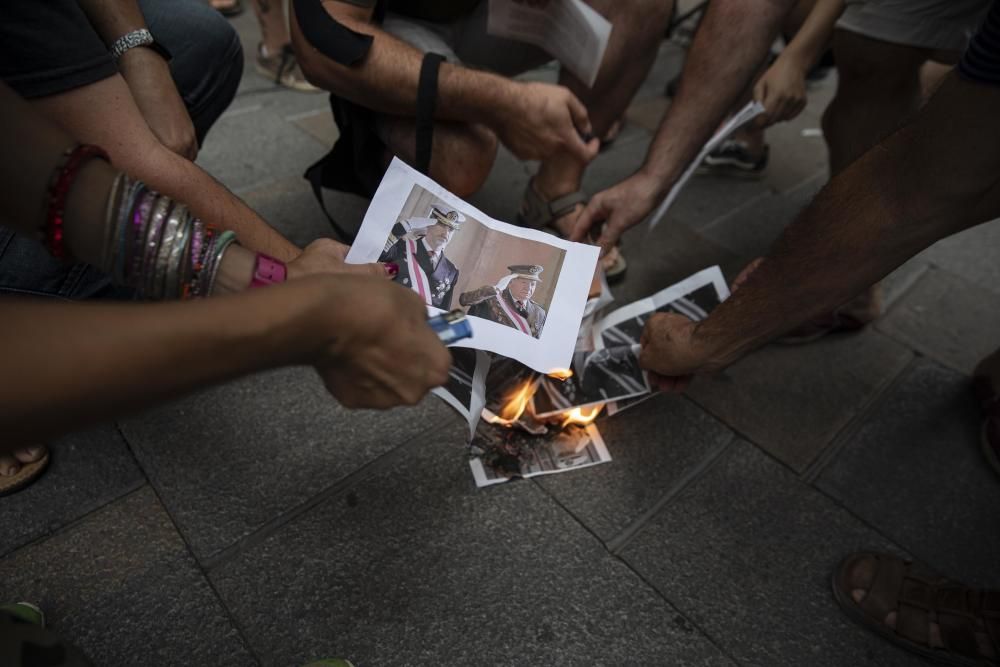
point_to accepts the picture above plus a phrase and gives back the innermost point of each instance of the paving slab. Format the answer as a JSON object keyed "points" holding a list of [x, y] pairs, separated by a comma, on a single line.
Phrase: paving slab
{"points": [[319, 124], [668, 254], [247, 150], [793, 400], [416, 566], [974, 254], [913, 468], [230, 459], [121, 585], [750, 230], [946, 318], [86, 470], [655, 447], [746, 553]]}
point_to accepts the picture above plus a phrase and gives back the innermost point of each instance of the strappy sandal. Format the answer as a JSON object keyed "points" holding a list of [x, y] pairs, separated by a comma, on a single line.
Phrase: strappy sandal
{"points": [[989, 403], [28, 474], [968, 619], [537, 213]]}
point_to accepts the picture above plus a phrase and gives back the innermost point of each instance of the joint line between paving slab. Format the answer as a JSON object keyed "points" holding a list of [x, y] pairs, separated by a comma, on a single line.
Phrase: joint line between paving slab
{"points": [[840, 438], [350, 480], [194, 558], [704, 633], [656, 591], [768, 192], [617, 543], [101, 504]]}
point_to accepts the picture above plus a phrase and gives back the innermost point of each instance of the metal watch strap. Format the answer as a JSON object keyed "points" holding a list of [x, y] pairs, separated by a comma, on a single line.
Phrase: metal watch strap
{"points": [[141, 37]]}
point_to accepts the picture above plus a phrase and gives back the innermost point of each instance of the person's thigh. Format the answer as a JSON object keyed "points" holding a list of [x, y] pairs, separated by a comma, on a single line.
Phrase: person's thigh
{"points": [[466, 41], [207, 57]]}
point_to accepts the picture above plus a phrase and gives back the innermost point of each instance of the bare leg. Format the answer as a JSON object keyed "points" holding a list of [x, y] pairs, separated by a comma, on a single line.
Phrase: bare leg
{"points": [[879, 88], [273, 24], [461, 154], [638, 30]]}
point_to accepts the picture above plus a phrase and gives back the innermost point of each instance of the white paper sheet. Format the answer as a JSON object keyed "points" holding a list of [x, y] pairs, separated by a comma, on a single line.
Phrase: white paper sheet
{"points": [[624, 325], [568, 268], [573, 33], [466, 387], [743, 116]]}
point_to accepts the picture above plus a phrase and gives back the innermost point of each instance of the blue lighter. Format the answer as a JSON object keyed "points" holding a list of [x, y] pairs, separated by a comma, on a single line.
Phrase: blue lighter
{"points": [[451, 327]]}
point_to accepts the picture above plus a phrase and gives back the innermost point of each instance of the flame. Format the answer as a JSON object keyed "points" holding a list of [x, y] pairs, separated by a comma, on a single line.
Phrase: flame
{"points": [[561, 374], [514, 406], [582, 416]]}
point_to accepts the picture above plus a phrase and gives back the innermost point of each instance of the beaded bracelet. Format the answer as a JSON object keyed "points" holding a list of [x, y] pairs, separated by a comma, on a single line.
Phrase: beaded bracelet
{"points": [[59, 190]]}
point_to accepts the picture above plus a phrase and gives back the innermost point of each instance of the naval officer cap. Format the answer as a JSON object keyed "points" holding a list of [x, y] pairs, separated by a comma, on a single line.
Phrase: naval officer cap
{"points": [[447, 216], [526, 271]]}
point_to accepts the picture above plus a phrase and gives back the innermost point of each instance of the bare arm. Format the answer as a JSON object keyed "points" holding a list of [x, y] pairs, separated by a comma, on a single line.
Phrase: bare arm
{"points": [[935, 177], [147, 74], [782, 88], [728, 49], [386, 81], [731, 43], [78, 364], [105, 114]]}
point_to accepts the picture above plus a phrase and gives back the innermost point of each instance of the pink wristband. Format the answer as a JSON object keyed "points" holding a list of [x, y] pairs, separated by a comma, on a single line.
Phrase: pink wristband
{"points": [[268, 271]]}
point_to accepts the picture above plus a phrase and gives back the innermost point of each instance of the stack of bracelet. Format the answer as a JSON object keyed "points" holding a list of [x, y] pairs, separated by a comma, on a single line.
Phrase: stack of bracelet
{"points": [[159, 248], [151, 243]]}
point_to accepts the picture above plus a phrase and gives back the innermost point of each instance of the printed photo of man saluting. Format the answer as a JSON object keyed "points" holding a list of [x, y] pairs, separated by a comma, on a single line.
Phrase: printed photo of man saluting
{"points": [[417, 245]]}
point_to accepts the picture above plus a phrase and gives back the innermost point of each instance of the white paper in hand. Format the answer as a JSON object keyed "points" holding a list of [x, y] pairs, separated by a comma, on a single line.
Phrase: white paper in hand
{"points": [[572, 32], [742, 117]]}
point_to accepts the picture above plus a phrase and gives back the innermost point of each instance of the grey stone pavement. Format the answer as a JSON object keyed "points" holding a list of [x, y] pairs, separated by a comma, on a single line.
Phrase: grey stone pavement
{"points": [[258, 523]]}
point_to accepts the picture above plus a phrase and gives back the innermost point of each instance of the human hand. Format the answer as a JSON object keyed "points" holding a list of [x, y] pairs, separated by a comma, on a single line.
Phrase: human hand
{"points": [[327, 256], [376, 349], [611, 212], [148, 77], [667, 351], [546, 119], [782, 91]]}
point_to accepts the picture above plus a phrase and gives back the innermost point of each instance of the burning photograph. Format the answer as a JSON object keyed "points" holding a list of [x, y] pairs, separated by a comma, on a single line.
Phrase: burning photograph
{"points": [[500, 454], [505, 279], [604, 375], [523, 290]]}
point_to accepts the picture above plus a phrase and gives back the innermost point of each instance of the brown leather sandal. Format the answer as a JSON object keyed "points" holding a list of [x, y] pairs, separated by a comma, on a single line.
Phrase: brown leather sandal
{"points": [[28, 473], [968, 619], [537, 213]]}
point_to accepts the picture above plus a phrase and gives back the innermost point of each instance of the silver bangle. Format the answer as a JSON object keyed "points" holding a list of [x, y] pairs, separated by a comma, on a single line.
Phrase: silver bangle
{"points": [[130, 40]]}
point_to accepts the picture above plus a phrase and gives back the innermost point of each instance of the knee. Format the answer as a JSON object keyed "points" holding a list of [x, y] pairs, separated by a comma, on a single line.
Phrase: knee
{"points": [[639, 17], [465, 161]]}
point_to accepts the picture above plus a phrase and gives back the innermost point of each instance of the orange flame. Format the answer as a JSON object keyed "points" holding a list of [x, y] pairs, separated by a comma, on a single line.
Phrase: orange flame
{"points": [[515, 405], [561, 374], [582, 416]]}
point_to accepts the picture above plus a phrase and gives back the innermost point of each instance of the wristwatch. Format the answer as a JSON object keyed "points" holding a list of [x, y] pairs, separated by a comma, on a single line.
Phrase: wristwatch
{"points": [[268, 271], [142, 37]]}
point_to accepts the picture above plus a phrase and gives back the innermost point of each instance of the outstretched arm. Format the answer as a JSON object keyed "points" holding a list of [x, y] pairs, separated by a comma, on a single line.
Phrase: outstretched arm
{"points": [[731, 43], [937, 176]]}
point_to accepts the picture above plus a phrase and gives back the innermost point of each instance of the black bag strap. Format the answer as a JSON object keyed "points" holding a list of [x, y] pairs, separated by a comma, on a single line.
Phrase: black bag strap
{"points": [[426, 101]]}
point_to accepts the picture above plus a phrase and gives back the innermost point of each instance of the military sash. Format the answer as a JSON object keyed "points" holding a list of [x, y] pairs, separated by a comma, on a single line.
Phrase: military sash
{"points": [[420, 285], [518, 321]]}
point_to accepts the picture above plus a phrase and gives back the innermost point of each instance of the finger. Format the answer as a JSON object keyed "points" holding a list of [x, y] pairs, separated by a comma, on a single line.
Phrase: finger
{"points": [[374, 269], [578, 112], [760, 91], [592, 214], [745, 273]]}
